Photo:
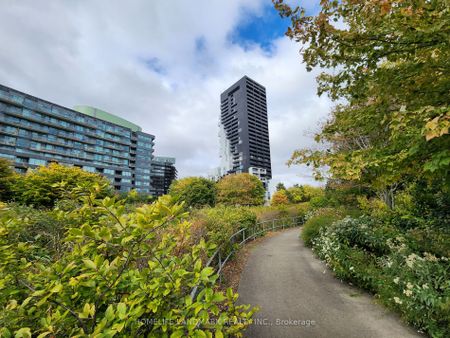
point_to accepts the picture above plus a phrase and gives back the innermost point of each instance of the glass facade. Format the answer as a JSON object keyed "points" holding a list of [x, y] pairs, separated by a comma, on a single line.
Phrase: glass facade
{"points": [[34, 132], [162, 174]]}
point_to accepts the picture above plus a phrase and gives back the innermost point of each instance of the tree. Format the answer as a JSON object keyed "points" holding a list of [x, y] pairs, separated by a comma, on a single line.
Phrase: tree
{"points": [[240, 189], [195, 192], [6, 176], [280, 198], [45, 185], [390, 71], [303, 193], [280, 186]]}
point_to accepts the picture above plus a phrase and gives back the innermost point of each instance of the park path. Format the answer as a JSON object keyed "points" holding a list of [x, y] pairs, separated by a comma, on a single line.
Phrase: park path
{"points": [[299, 297]]}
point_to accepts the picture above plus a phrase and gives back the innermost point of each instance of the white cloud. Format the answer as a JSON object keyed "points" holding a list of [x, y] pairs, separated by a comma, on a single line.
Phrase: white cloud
{"points": [[141, 60]]}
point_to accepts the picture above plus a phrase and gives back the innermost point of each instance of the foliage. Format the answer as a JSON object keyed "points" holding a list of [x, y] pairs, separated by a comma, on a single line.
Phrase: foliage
{"points": [[303, 193], [120, 274], [316, 219], [217, 224], [44, 186], [194, 191], [6, 175], [388, 63], [280, 186], [268, 213], [406, 271], [44, 228], [280, 197], [240, 189], [134, 197], [311, 228]]}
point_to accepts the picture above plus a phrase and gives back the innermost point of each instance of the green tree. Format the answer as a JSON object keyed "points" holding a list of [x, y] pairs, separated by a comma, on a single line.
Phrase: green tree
{"points": [[390, 71], [240, 189], [6, 177], [45, 185], [280, 186], [303, 193], [195, 192]]}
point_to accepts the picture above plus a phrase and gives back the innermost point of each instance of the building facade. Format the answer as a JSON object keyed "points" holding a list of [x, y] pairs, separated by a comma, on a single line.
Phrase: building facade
{"points": [[162, 174], [35, 132], [244, 132]]}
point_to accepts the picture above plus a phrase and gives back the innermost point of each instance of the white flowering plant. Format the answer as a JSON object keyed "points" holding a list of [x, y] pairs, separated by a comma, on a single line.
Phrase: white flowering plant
{"points": [[404, 273]]}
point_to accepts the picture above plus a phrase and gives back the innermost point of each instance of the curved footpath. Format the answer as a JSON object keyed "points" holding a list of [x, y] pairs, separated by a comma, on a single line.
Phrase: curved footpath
{"points": [[299, 297]]}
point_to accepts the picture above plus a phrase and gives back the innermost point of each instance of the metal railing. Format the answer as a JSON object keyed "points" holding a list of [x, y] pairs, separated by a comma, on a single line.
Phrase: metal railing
{"points": [[239, 238]]}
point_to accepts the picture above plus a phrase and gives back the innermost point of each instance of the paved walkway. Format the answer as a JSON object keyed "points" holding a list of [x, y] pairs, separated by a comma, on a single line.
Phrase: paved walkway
{"points": [[299, 297]]}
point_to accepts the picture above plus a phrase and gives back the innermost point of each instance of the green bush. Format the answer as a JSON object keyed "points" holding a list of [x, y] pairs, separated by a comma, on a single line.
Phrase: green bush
{"points": [[317, 219], [407, 272], [6, 176], [195, 192], [121, 274], [319, 202], [44, 186], [219, 223]]}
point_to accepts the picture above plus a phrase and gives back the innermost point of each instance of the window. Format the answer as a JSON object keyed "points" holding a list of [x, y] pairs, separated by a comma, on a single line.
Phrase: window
{"points": [[90, 169], [108, 171], [36, 161]]}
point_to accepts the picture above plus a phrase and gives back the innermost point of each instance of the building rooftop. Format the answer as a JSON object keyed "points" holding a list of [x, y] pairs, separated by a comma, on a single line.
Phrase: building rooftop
{"points": [[105, 116]]}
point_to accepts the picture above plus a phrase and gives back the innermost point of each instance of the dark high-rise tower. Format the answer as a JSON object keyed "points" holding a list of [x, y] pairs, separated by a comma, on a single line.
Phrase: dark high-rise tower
{"points": [[244, 133]]}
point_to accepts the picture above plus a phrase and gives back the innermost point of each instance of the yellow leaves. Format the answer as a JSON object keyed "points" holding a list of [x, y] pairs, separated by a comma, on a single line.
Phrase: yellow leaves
{"points": [[438, 126], [24, 332], [90, 264], [88, 311], [57, 288]]}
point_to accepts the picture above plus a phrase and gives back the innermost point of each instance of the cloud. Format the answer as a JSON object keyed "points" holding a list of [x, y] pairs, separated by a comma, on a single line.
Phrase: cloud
{"points": [[163, 66]]}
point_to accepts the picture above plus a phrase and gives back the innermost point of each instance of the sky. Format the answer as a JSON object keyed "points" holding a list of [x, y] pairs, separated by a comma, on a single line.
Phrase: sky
{"points": [[163, 65]]}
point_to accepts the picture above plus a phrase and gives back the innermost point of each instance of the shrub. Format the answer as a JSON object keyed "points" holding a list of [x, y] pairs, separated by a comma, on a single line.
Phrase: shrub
{"points": [[195, 192], [319, 202], [120, 275], [6, 176], [240, 189], [44, 186], [221, 222], [315, 221], [280, 198], [378, 256]]}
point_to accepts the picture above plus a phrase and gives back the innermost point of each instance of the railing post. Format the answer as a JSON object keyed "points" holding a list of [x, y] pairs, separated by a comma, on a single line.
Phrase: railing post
{"points": [[273, 225], [243, 236]]}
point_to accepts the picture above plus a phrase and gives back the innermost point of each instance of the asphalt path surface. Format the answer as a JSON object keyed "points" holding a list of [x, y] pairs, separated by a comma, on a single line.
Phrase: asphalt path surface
{"points": [[298, 296]]}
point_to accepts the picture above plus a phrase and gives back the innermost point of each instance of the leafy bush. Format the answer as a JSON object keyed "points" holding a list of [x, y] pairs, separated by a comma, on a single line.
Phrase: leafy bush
{"points": [[319, 202], [6, 176], [121, 274], [240, 189], [219, 223], [303, 193], [44, 186], [317, 219], [195, 192], [280, 197], [399, 267]]}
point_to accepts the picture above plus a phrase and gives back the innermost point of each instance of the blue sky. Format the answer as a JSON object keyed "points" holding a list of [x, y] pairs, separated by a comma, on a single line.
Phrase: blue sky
{"points": [[260, 28]]}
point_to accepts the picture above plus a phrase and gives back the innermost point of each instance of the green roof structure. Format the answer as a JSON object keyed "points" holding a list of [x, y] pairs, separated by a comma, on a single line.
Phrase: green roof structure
{"points": [[105, 116]]}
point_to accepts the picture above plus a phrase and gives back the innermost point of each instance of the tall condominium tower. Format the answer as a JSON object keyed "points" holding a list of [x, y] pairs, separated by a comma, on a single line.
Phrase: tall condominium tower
{"points": [[243, 130], [34, 132]]}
